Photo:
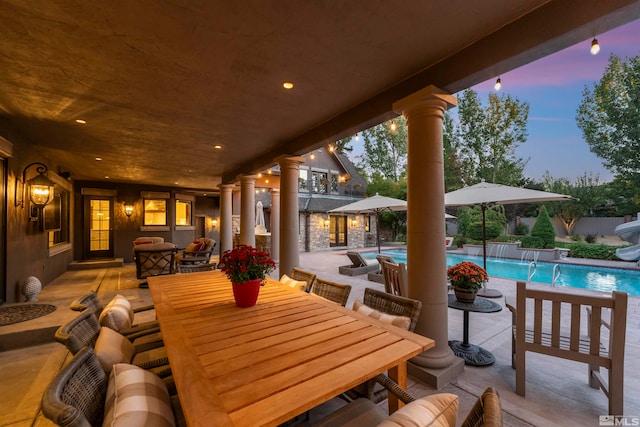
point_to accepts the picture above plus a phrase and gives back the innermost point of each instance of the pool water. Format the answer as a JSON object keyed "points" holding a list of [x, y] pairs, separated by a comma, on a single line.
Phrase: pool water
{"points": [[571, 275]]}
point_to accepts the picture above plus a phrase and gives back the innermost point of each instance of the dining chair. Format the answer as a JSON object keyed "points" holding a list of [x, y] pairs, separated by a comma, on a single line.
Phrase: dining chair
{"points": [[185, 268], [399, 311], [395, 278], [307, 276], [336, 292]]}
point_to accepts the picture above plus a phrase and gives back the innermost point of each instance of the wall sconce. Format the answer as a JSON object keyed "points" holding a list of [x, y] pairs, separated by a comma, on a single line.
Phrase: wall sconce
{"points": [[354, 223], [128, 210], [214, 223], [39, 188], [326, 223]]}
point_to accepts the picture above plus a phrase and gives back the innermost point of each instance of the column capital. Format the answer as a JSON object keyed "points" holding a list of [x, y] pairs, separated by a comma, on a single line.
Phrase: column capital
{"points": [[274, 190], [289, 161], [226, 187], [247, 178], [430, 95]]}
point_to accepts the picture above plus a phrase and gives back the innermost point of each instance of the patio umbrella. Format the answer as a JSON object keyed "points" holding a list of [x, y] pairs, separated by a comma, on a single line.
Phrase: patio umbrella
{"points": [[485, 194], [375, 205]]}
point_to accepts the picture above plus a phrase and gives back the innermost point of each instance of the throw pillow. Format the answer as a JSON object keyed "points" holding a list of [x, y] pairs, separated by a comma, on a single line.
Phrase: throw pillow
{"points": [[201, 245], [437, 410], [400, 321], [136, 397], [301, 285], [117, 314], [111, 348]]}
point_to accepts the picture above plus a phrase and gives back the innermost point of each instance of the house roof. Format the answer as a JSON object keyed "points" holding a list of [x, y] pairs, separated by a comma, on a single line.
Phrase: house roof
{"points": [[160, 84]]}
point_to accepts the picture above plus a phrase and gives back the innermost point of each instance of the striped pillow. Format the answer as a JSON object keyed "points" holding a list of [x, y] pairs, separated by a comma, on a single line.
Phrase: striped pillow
{"points": [[301, 285], [136, 397], [436, 410], [111, 348], [400, 321], [118, 314]]}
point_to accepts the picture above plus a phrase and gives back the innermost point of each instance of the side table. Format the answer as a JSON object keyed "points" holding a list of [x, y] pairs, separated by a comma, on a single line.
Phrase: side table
{"points": [[473, 355]]}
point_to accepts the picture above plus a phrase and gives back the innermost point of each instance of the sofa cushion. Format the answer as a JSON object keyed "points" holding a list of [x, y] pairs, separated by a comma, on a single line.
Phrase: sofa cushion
{"points": [[136, 397], [400, 321], [117, 314], [437, 410], [112, 347], [301, 285]]}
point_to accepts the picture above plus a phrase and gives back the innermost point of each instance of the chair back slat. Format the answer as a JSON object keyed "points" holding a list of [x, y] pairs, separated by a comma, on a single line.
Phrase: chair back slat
{"points": [[80, 332], [307, 276], [395, 278]]}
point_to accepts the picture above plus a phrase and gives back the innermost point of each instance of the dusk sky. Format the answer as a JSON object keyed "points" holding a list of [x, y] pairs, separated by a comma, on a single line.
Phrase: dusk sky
{"points": [[553, 87]]}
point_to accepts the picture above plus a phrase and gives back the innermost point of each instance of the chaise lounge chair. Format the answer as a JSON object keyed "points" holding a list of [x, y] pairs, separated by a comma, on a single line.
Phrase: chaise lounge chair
{"points": [[358, 265], [376, 276]]}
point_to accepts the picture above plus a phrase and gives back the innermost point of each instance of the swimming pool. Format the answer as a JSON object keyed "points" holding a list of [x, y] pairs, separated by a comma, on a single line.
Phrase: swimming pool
{"points": [[571, 275]]}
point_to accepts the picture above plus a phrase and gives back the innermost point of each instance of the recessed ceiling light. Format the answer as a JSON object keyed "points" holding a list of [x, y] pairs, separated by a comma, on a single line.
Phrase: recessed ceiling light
{"points": [[287, 85], [98, 159], [82, 122], [106, 177], [217, 147]]}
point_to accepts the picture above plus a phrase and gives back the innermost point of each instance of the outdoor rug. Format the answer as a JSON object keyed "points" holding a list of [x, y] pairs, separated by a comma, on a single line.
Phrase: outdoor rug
{"points": [[10, 314]]}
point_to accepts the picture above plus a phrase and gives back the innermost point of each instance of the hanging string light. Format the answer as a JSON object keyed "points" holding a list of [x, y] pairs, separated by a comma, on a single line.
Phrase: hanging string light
{"points": [[595, 47], [393, 126], [498, 84], [357, 137]]}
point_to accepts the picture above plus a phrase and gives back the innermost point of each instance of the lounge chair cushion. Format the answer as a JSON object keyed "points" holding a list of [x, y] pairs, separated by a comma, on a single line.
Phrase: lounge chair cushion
{"points": [[117, 314], [400, 321], [301, 285], [136, 397], [437, 410], [112, 347]]}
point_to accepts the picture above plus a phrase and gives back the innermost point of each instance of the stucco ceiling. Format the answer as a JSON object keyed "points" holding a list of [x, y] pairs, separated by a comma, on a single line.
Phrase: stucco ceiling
{"points": [[160, 83]]}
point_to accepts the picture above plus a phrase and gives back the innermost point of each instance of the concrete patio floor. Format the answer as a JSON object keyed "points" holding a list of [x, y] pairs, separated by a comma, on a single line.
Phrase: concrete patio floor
{"points": [[557, 390]]}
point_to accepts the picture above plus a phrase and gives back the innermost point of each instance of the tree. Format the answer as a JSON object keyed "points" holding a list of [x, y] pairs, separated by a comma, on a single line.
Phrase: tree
{"points": [[489, 137], [543, 229], [588, 194], [343, 146], [608, 117], [455, 166], [385, 150]]}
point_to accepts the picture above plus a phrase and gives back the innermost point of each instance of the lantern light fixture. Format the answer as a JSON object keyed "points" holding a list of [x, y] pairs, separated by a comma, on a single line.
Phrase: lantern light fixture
{"points": [[128, 209], [39, 189]]}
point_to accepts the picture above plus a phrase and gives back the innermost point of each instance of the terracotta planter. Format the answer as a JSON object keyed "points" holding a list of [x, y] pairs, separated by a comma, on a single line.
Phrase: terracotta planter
{"points": [[465, 295], [246, 294]]}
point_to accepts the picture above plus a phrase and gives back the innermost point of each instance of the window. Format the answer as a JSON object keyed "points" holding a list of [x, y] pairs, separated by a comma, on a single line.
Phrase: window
{"points": [[334, 183], [319, 182], [183, 212], [303, 180], [56, 219], [367, 223], [155, 212]]}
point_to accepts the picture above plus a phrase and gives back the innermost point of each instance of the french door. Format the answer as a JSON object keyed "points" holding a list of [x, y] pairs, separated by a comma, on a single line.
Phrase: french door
{"points": [[337, 231], [98, 224]]}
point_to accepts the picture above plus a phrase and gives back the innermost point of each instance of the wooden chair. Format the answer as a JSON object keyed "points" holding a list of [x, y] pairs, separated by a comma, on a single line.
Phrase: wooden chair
{"points": [[358, 265], [394, 305], [395, 278], [307, 276], [537, 327], [441, 409], [184, 268], [336, 292], [376, 276], [77, 396]]}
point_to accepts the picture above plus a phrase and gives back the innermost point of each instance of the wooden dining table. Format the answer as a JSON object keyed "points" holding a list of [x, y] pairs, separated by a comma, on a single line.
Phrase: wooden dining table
{"points": [[263, 365]]}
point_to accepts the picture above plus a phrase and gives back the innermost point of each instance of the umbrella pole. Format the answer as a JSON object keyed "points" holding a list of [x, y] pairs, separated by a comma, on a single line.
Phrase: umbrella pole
{"points": [[378, 229], [484, 292]]}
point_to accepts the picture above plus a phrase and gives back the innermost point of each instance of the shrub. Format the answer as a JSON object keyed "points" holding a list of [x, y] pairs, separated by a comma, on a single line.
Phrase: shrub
{"points": [[522, 229], [544, 229], [532, 242], [492, 230], [583, 250], [576, 237], [590, 238]]}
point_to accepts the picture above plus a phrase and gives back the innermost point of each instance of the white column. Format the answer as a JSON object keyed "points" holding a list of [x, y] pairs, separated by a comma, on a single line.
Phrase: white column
{"points": [[226, 209], [289, 214], [248, 210], [426, 252], [275, 224]]}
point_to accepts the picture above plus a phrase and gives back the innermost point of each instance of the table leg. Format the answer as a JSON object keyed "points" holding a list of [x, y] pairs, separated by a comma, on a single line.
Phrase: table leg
{"points": [[399, 375], [465, 329], [472, 354]]}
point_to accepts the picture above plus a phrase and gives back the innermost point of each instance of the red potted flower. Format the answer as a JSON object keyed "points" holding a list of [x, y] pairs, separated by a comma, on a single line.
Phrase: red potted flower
{"points": [[247, 268]]}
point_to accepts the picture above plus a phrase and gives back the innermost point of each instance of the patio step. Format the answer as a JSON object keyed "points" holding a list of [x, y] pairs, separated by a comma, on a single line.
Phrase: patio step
{"points": [[98, 263]]}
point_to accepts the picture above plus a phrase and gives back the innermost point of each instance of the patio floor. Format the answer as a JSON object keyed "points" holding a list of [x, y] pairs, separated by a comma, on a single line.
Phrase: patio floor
{"points": [[557, 390]]}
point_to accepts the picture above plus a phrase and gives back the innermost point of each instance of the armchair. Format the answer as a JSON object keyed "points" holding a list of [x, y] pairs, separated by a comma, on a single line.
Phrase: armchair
{"points": [[154, 259], [197, 252]]}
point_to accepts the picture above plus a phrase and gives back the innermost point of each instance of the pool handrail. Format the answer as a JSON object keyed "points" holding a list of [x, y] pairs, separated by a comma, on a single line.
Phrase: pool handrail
{"points": [[555, 274], [529, 273]]}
